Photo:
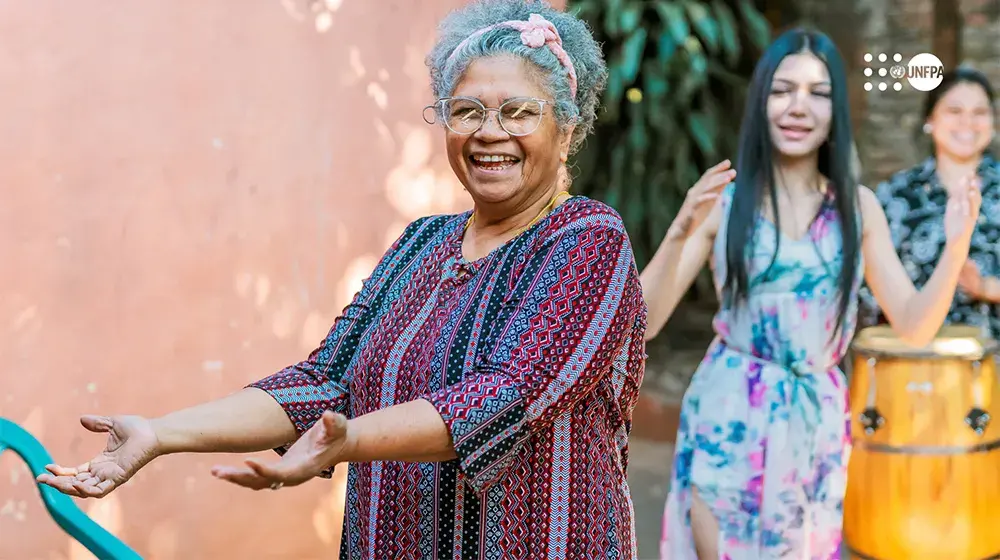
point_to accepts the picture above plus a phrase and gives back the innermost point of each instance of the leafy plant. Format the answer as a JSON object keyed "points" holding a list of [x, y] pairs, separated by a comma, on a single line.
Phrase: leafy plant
{"points": [[678, 75]]}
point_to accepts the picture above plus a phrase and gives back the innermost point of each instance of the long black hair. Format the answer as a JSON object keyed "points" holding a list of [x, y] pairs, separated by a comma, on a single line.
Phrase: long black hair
{"points": [[755, 171]]}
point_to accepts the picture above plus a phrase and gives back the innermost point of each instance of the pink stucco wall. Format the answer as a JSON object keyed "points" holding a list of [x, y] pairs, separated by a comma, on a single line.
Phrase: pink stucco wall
{"points": [[191, 192]]}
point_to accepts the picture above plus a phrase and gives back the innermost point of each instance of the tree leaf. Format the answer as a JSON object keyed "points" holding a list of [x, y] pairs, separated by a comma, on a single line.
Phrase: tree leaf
{"points": [[638, 135], [629, 18], [614, 92], [704, 24], [585, 9], [689, 87], [631, 55], [757, 25], [728, 32], [666, 46], [611, 21], [673, 19], [654, 81], [730, 78], [703, 131]]}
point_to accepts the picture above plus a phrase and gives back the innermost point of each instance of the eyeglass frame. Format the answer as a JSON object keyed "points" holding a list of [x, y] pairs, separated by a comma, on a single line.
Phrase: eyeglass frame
{"points": [[438, 107]]}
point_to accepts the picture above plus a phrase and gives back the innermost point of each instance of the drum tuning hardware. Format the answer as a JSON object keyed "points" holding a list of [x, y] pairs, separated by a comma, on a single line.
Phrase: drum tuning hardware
{"points": [[871, 420], [978, 419]]}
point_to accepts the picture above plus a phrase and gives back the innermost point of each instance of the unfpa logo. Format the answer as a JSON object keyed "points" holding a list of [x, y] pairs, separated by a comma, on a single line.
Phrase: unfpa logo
{"points": [[924, 72]]}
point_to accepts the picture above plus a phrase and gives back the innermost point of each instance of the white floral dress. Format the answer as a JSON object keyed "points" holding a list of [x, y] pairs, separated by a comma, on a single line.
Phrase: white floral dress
{"points": [[764, 430]]}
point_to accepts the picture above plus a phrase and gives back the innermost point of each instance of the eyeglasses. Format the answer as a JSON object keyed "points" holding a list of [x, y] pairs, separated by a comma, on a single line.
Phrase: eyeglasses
{"points": [[519, 116]]}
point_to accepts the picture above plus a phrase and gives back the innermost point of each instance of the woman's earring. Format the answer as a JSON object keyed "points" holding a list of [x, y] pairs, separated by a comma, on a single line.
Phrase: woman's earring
{"points": [[927, 128]]}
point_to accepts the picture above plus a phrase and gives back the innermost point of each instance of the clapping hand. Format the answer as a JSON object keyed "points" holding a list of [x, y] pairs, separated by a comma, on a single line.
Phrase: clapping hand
{"points": [[962, 212], [972, 282]]}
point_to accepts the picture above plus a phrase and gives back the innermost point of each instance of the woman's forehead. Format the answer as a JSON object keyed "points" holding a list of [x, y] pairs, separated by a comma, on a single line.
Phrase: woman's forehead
{"points": [[965, 94], [802, 68], [498, 78]]}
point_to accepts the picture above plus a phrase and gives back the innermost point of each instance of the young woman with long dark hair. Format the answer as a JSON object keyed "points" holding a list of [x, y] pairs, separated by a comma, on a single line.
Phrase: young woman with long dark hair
{"points": [[761, 452]]}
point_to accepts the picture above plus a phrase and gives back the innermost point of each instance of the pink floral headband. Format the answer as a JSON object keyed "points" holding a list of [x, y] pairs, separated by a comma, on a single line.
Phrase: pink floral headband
{"points": [[535, 33]]}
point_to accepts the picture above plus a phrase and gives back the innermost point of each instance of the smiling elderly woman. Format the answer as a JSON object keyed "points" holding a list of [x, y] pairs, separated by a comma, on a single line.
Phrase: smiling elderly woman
{"points": [[481, 383]]}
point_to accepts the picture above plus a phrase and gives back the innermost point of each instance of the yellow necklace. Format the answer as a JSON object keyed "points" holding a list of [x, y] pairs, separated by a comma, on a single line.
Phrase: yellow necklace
{"points": [[545, 210]]}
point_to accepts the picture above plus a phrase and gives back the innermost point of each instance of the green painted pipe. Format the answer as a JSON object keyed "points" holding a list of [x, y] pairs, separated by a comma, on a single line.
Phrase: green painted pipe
{"points": [[67, 514]]}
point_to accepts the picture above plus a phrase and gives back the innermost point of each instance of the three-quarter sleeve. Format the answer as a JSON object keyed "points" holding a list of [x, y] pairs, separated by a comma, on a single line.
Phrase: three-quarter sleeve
{"points": [[320, 382], [555, 339]]}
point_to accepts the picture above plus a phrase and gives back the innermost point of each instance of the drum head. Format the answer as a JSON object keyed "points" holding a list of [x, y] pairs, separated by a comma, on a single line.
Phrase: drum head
{"points": [[952, 341]]}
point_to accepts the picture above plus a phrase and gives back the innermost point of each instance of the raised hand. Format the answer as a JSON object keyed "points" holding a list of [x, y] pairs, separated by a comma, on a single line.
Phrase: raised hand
{"points": [[320, 448], [962, 212], [700, 199], [131, 445]]}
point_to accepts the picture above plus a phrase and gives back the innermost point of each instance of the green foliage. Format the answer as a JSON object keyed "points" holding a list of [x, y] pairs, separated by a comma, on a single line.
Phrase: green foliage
{"points": [[678, 75]]}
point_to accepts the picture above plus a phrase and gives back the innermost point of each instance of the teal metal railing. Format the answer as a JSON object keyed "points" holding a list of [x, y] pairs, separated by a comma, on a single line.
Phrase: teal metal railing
{"points": [[71, 518]]}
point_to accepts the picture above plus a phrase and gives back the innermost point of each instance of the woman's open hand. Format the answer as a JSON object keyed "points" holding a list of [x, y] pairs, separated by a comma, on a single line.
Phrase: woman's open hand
{"points": [[700, 199], [132, 444], [320, 448]]}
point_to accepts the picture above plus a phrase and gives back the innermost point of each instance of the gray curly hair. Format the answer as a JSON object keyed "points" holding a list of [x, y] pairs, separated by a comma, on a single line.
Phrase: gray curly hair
{"points": [[577, 40]]}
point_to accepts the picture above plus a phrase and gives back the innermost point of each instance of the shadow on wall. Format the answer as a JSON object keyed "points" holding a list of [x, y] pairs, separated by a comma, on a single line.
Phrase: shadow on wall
{"points": [[190, 198]]}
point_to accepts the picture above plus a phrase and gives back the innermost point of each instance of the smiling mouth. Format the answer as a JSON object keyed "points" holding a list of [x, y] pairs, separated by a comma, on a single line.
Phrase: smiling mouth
{"points": [[795, 132], [493, 162]]}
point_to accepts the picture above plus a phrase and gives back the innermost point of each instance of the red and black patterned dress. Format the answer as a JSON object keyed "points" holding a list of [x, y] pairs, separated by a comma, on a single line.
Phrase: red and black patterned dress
{"points": [[533, 356]]}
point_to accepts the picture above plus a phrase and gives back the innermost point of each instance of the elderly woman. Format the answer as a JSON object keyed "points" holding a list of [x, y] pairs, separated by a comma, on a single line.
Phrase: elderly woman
{"points": [[482, 381], [959, 119]]}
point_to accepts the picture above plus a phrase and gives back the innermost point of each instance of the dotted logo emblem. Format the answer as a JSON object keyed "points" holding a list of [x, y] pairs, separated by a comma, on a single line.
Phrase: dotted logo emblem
{"points": [[895, 73], [924, 72]]}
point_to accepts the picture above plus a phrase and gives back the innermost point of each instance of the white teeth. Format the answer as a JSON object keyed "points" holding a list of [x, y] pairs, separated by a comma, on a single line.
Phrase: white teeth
{"points": [[493, 159]]}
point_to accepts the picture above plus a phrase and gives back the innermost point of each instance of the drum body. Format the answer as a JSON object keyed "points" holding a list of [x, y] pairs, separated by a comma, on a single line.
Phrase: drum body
{"points": [[924, 473]]}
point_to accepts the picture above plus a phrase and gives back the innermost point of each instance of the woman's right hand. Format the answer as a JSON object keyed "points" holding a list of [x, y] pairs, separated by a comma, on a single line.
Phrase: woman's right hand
{"points": [[700, 199], [132, 443], [962, 213]]}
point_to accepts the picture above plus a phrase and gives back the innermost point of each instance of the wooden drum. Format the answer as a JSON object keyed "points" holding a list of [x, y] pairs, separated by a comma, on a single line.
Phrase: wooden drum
{"points": [[924, 475]]}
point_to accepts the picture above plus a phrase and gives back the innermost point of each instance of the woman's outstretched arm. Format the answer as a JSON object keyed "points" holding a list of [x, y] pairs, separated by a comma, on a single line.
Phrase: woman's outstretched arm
{"points": [[917, 316]]}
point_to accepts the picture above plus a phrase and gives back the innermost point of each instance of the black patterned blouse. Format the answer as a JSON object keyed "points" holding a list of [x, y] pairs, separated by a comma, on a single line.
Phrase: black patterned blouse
{"points": [[914, 201]]}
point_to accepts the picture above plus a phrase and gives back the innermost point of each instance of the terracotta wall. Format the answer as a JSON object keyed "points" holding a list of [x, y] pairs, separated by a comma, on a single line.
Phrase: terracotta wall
{"points": [[191, 192]]}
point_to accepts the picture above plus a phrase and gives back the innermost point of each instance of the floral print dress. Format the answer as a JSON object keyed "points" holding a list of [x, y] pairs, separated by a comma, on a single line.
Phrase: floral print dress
{"points": [[763, 434]]}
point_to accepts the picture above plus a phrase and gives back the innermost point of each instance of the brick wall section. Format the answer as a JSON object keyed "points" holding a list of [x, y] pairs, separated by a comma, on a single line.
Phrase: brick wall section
{"points": [[981, 36]]}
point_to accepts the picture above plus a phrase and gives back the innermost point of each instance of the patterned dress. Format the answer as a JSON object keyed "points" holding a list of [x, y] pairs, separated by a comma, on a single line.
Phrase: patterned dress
{"points": [[914, 201], [533, 356], [763, 435]]}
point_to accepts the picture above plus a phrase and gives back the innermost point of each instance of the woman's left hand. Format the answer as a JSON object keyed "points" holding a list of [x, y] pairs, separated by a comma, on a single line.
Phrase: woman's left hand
{"points": [[320, 448], [962, 212], [972, 282]]}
